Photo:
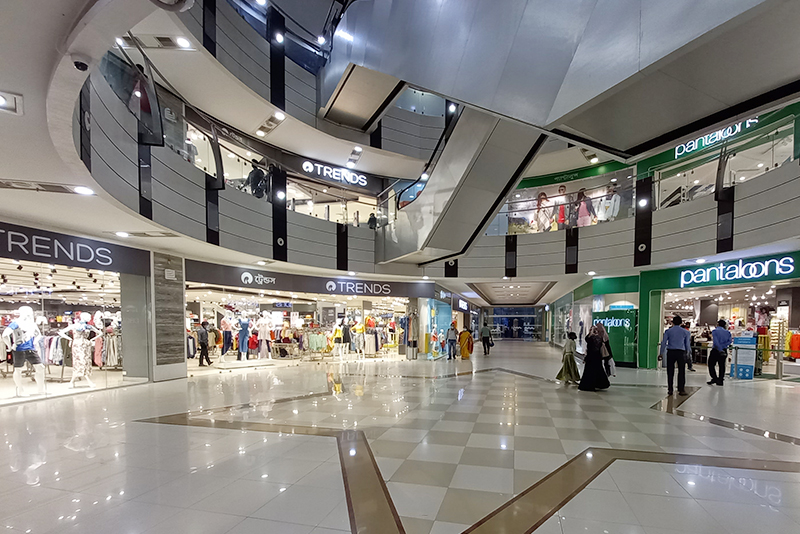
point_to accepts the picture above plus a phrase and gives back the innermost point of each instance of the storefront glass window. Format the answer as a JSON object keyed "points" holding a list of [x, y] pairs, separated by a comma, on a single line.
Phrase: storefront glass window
{"points": [[516, 323]]}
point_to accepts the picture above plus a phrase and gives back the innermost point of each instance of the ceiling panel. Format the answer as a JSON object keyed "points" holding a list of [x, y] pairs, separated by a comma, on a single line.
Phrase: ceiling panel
{"points": [[512, 292]]}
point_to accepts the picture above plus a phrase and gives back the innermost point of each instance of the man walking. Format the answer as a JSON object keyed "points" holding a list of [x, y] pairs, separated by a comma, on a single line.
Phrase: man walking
{"points": [[202, 339], [452, 340], [722, 339], [486, 338], [676, 347]]}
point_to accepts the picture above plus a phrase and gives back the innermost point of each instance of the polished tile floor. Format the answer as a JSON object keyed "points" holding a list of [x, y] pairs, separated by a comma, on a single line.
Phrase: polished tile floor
{"points": [[453, 441]]}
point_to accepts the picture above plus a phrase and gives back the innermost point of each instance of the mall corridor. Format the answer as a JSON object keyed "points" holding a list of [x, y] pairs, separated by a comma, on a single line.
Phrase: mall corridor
{"points": [[484, 445]]}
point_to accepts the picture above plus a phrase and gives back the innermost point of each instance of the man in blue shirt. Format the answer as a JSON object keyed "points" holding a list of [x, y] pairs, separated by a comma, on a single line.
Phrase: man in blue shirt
{"points": [[676, 346], [719, 352]]}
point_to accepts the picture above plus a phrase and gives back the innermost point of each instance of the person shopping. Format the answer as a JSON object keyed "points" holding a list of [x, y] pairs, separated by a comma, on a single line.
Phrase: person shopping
{"points": [[722, 339], [594, 376], [202, 339], [466, 343], [486, 339], [451, 337], [676, 347], [569, 369], [608, 357]]}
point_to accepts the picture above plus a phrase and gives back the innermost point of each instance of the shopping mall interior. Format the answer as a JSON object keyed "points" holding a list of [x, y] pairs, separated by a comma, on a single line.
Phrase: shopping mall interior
{"points": [[329, 266]]}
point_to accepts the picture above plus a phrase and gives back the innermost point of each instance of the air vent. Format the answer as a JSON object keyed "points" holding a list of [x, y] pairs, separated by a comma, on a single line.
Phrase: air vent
{"points": [[166, 42], [36, 186]]}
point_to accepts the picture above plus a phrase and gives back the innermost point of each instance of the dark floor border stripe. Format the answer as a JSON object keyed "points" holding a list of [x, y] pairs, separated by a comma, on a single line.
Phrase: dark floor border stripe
{"points": [[531, 508]]}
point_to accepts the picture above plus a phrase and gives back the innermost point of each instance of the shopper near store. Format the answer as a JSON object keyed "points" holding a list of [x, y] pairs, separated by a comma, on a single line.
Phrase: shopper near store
{"points": [[257, 181], [690, 355], [202, 340], [466, 343], [594, 376], [486, 339], [543, 218], [564, 207], [584, 210], [675, 346], [569, 369], [608, 357], [372, 222], [452, 340], [722, 339]]}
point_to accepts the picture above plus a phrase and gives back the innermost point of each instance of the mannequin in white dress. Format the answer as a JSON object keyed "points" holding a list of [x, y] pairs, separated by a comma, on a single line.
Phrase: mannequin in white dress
{"points": [[264, 326], [82, 348]]}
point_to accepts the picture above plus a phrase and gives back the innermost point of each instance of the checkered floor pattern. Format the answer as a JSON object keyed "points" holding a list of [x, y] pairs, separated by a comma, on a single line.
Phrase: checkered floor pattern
{"points": [[454, 449]]}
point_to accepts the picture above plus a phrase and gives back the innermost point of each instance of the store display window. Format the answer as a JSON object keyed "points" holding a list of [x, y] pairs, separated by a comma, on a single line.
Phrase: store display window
{"points": [[62, 331], [516, 322]]}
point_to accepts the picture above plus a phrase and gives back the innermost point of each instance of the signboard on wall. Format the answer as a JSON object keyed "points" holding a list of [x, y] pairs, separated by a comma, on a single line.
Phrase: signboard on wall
{"points": [[31, 244], [621, 328], [211, 273]]}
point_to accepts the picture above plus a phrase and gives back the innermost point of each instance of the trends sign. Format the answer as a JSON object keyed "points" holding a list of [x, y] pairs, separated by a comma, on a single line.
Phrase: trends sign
{"points": [[209, 273], [741, 270], [23, 243], [320, 170]]}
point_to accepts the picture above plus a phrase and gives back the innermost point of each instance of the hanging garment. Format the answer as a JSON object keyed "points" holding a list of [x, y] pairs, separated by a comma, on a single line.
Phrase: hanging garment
{"points": [[98, 351]]}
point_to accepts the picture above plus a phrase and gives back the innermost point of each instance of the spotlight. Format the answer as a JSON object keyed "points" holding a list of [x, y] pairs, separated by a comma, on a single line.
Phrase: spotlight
{"points": [[320, 39]]}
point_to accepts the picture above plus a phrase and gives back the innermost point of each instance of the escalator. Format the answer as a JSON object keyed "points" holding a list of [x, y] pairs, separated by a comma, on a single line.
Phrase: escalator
{"points": [[480, 164]]}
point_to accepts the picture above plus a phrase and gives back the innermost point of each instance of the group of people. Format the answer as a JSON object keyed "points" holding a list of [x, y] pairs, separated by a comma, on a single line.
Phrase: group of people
{"points": [[676, 347], [569, 211], [458, 342], [598, 361]]}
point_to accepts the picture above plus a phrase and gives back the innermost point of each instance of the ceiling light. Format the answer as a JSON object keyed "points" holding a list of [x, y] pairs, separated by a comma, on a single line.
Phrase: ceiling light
{"points": [[357, 149], [351, 273], [198, 160], [310, 203], [249, 153], [741, 178], [279, 37], [261, 2], [120, 41], [321, 40], [122, 234], [613, 180], [517, 195], [280, 115], [591, 273], [231, 155], [261, 262], [324, 190], [700, 260], [594, 159], [452, 108], [81, 190], [425, 277], [260, 133], [424, 176], [697, 182], [643, 202], [344, 35], [281, 195], [505, 278], [183, 42], [350, 164], [760, 165]]}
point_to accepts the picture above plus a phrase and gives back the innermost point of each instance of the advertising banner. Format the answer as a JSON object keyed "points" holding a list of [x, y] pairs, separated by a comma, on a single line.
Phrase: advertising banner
{"points": [[621, 328]]}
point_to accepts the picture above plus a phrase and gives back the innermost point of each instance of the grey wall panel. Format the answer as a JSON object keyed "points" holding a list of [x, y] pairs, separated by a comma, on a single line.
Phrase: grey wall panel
{"points": [[251, 60], [300, 113], [312, 223], [246, 208], [172, 200], [362, 267], [177, 221], [767, 204], [116, 156], [244, 230], [252, 78], [683, 218], [193, 20], [304, 257], [113, 183], [365, 256], [409, 133], [242, 244], [174, 163], [229, 21]]}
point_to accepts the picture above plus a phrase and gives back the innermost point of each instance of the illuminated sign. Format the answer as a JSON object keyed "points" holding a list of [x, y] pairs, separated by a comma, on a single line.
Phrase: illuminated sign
{"points": [[742, 270], [462, 305], [334, 173], [713, 137], [614, 322]]}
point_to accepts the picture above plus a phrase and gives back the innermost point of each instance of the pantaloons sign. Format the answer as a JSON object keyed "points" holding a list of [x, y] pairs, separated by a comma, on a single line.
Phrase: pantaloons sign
{"points": [[741, 270], [713, 137]]}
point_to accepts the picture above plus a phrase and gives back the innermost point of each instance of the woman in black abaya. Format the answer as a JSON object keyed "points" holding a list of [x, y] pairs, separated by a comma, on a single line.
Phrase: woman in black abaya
{"points": [[594, 375]]}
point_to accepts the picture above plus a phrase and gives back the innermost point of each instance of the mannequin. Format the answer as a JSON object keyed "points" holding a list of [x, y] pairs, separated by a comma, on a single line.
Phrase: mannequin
{"points": [[81, 348], [358, 336], [264, 325], [244, 334], [338, 341], [226, 325], [20, 335]]}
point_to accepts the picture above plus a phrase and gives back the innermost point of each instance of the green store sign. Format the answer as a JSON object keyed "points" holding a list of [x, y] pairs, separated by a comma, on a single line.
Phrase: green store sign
{"points": [[621, 328]]}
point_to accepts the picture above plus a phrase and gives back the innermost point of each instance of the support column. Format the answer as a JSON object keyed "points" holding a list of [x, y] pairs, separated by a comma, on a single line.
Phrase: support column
{"points": [[276, 26]]}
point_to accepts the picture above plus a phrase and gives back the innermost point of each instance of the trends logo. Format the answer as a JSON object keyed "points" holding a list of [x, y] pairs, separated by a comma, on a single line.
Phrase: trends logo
{"points": [[358, 288], [247, 278], [331, 286], [308, 166]]}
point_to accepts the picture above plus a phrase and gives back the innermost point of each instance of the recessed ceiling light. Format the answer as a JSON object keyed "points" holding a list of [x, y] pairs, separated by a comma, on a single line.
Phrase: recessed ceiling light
{"points": [[760, 165], [350, 164], [424, 176], [643, 202], [697, 182], [81, 190], [505, 278], [261, 262], [137, 94], [122, 234], [279, 37], [613, 180], [324, 190], [591, 273], [517, 195], [260, 133], [452, 108], [351, 273], [120, 41], [425, 277], [280, 115], [594, 160], [183, 42], [261, 2], [700, 260], [231, 155], [320, 39], [281, 195], [357, 149]]}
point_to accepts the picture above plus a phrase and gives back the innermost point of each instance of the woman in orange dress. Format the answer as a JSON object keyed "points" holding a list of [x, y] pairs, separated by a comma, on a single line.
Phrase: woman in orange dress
{"points": [[466, 343]]}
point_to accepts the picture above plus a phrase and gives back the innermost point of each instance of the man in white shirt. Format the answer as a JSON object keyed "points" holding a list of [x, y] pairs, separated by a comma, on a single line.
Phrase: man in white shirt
{"points": [[452, 340]]}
